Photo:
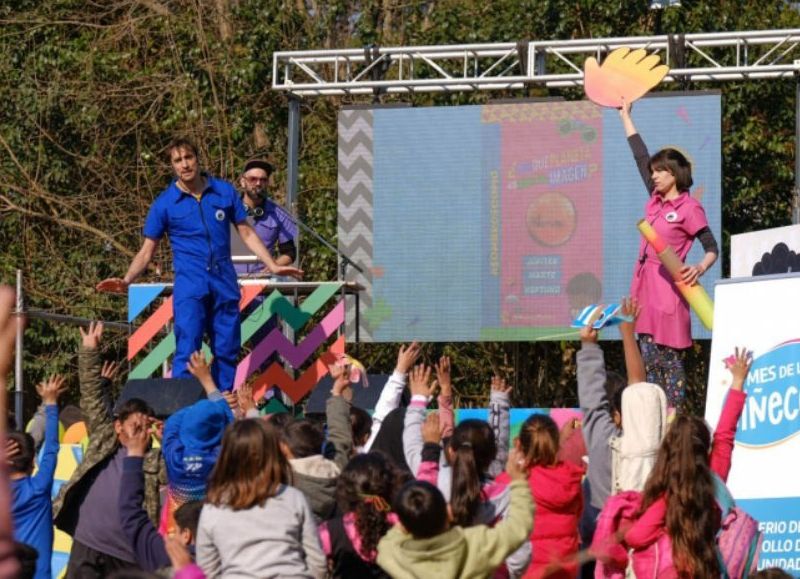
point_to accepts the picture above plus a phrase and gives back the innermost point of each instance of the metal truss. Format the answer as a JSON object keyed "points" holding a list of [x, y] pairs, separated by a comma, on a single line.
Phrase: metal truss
{"points": [[713, 57]]}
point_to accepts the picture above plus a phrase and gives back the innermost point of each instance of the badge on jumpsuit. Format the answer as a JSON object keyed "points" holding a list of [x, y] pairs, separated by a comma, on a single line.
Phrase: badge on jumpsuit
{"points": [[671, 216], [220, 215]]}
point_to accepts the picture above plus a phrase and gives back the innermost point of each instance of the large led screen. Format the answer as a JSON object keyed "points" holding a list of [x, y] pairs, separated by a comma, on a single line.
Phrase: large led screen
{"points": [[501, 221]]}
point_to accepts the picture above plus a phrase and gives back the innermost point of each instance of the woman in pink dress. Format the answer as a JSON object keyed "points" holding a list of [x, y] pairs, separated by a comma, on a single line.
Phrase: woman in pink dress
{"points": [[664, 326]]}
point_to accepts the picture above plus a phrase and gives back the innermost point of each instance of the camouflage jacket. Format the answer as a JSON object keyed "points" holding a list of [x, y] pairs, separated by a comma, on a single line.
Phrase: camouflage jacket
{"points": [[97, 410]]}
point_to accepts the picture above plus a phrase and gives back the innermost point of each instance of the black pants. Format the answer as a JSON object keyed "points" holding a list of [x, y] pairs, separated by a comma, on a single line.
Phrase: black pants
{"points": [[86, 563]]}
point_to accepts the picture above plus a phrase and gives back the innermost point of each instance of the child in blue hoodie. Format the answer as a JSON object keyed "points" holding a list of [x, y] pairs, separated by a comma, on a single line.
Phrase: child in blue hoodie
{"points": [[32, 507], [192, 439]]}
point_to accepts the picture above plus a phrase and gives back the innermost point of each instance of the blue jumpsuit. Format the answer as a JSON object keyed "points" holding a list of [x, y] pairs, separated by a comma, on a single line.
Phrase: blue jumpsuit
{"points": [[206, 295]]}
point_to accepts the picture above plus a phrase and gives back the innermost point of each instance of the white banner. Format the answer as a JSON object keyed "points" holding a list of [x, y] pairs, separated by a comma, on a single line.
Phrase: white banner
{"points": [[766, 252], [762, 315]]}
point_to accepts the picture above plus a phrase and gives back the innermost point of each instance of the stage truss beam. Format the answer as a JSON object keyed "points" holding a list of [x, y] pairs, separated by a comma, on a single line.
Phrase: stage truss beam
{"points": [[712, 57]]}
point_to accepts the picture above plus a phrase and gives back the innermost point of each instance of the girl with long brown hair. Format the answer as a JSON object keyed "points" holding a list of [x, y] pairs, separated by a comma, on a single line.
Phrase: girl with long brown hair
{"points": [[679, 497], [254, 524]]}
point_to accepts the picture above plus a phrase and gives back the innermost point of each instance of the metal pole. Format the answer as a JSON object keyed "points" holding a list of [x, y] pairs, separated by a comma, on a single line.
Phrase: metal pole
{"points": [[292, 155], [796, 189], [18, 355]]}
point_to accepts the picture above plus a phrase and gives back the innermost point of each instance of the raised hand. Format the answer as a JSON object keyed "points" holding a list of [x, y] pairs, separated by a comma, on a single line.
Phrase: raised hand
{"points": [[51, 389], [739, 365], [499, 385], [92, 335], [420, 381], [245, 395], [430, 428], [109, 370], [135, 435], [200, 369], [340, 372], [407, 357], [632, 309], [443, 377], [12, 451], [625, 76]]}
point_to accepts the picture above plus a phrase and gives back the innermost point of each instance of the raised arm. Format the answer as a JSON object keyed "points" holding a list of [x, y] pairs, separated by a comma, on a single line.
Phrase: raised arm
{"points": [[49, 391], [500, 421], [94, 401], [722, 444], [337, 414], [445, 398], [419, 382], [634, 363], [638, 148], [393, 390]]}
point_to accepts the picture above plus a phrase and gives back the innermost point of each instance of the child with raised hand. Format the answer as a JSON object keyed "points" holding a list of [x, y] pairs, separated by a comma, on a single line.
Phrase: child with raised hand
{"points": [[425, 543], [556, 489], [389, 401], [679, 497], [192, 438], [464, 478], [302, 442], [31, 503], [147, 544], [619, 460], [364, 493], [254, 524]]}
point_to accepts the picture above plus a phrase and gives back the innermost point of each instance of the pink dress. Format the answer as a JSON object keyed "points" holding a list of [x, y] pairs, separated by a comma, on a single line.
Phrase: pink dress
{"points": [[665, 314]]}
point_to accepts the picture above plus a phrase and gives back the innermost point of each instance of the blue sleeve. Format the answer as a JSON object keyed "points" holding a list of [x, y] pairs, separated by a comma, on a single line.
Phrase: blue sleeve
{"points": [[147, 544], [42, 481], [155, 225], [171, 444], [239, 210]]}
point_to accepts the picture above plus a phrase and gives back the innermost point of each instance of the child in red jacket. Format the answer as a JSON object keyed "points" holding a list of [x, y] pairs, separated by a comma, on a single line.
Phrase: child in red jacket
{"points": [[556, 489]]}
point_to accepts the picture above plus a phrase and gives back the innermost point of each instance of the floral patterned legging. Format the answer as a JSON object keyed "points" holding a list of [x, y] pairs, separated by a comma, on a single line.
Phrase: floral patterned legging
{"points": [[664, 367]]}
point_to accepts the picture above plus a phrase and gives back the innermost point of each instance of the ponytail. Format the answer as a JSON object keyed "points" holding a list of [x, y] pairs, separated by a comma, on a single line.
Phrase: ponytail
{"points": [[474, 449]]}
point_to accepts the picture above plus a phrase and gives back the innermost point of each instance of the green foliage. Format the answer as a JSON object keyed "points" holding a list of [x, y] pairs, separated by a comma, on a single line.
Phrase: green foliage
{"points": [[93, 91]]}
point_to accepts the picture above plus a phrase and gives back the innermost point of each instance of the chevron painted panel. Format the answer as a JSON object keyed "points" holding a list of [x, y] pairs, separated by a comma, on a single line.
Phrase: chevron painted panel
{"points": [[355, 207]]}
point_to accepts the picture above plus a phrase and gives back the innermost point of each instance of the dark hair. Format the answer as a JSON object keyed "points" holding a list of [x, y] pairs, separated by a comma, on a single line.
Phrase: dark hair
{"points": [[389, 439], [474, 448], [673, 161], [615, 385], [303, 437], [771, 573], [279, 420], [23, 462], [133, 406], [187, 516], [27, 557], [422, 509], [366, 483], [132, 574], [180, 143], [682, 474], [360, 424], [250, 468], [538, 439]]}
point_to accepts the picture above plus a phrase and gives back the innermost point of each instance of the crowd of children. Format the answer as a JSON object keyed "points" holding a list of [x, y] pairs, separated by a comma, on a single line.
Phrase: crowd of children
{"points": [[403, 493]]}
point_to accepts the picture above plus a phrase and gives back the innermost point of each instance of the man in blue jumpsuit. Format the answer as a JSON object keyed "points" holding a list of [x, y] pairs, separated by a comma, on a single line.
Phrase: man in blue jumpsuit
{"points": [[196, 212]]}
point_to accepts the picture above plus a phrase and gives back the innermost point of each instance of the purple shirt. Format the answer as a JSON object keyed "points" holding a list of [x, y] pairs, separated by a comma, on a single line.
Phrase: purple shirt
{"points": [[99, 524], [273, 227]]}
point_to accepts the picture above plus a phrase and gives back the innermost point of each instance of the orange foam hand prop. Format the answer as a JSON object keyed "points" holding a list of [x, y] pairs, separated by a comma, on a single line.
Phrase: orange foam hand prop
{"points": [[624, 75]]}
